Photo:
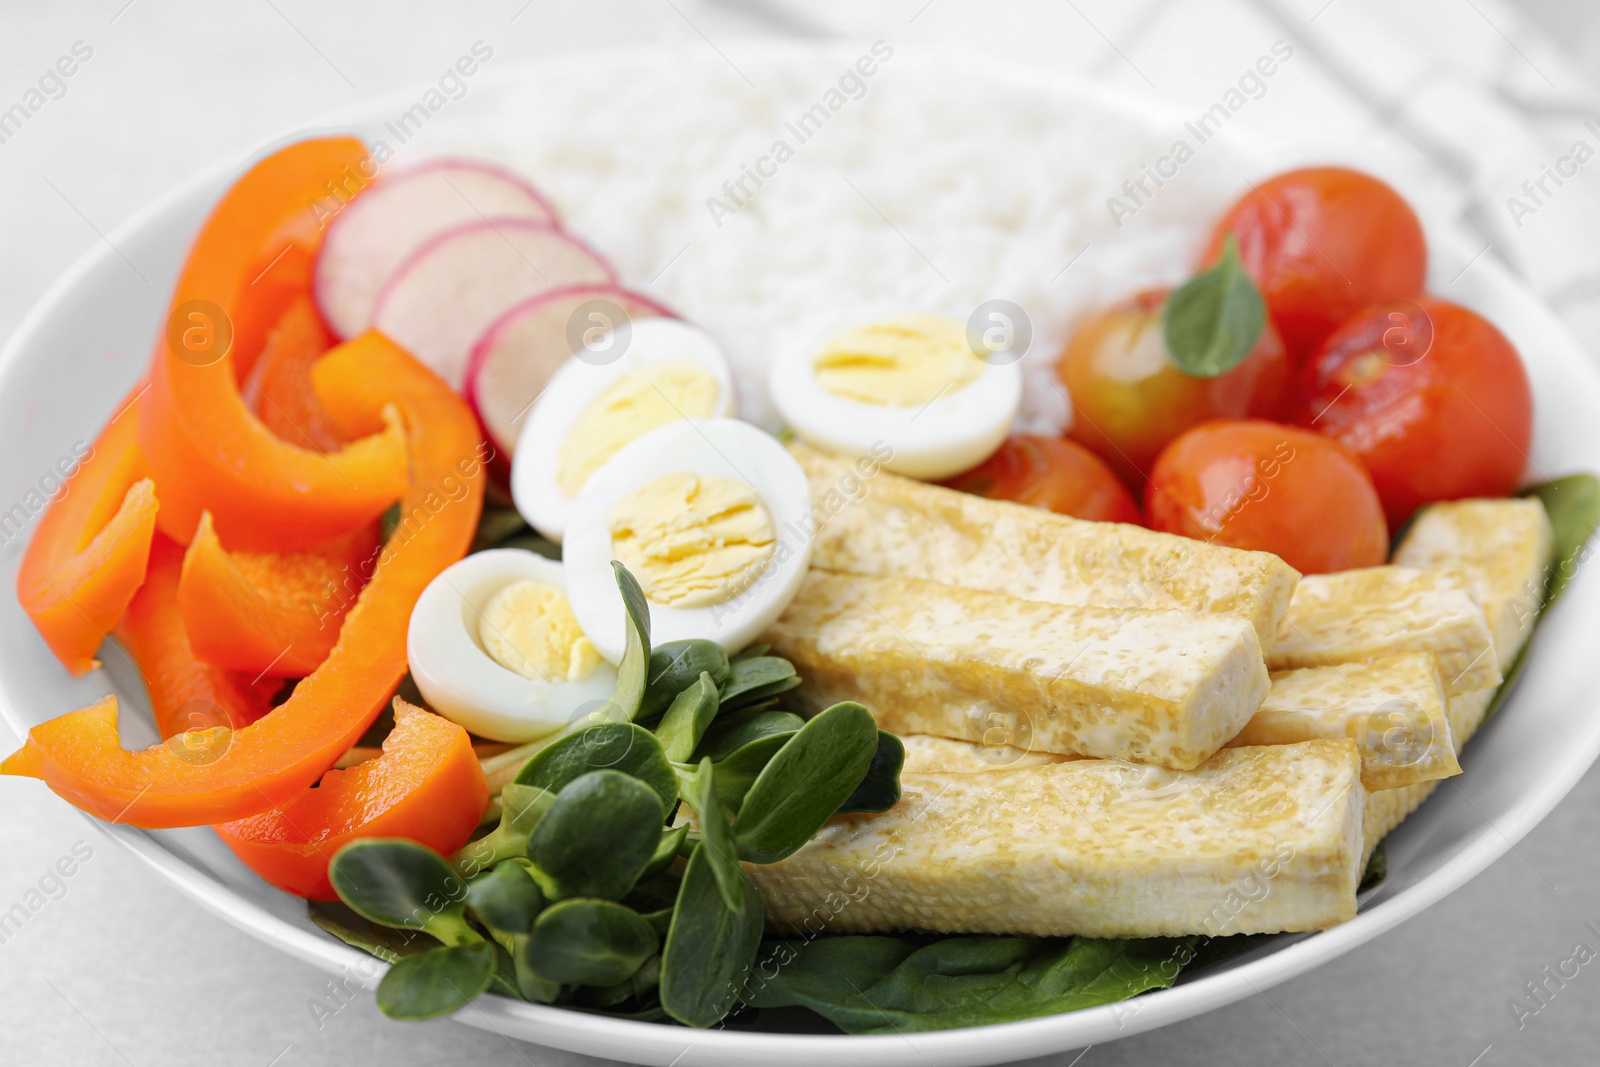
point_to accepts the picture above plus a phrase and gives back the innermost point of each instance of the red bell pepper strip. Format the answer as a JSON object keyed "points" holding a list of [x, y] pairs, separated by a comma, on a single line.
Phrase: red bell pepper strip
{"points": [[279, 388]]}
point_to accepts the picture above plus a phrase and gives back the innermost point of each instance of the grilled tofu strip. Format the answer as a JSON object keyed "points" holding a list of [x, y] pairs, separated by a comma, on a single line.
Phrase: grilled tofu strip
{"points": [[1159, 687], [1257, 840], [926, 754], [1359, 615], [1392, 708], [872, 522]]}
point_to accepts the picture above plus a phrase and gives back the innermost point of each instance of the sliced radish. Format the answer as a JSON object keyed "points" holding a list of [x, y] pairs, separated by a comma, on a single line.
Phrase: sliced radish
{"points": [[380, 229], [518, 354], [455, 286]]}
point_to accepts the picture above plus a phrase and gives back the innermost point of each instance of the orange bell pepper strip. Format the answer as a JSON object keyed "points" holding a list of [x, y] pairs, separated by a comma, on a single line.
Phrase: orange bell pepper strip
{"points": [[88, 556], [207, 452], [274, 613], [279, 388], [427, 785], [185, 693], [230, 774]]}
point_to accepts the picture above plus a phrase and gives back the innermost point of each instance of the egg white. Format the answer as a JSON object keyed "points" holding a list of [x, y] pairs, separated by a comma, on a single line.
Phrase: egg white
{"points": [[574, 387], [463, 682], [721, 447]]}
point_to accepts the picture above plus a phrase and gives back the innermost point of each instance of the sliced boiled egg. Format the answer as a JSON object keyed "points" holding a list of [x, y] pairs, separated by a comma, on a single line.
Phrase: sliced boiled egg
{"points": [[911, 385], [713, 519], [494, 645], [669, 371]]}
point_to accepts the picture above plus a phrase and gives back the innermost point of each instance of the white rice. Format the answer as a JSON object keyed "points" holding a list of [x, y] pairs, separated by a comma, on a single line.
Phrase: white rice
{"points": [[945, 185]]}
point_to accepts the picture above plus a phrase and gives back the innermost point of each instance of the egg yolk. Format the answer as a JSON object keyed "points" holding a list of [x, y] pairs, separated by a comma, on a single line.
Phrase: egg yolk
{"points": [[692, 540], [905, 361], [638, 402], [529, 628]]}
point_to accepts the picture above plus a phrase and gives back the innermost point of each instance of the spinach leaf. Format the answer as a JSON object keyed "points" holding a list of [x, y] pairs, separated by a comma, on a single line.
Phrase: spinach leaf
{"points": [[687, 717], [738, 771], [400, 883], [710, 947], [724, 739], [521, 808], [506, 898], [357, 931], [880, 789], [612, 746], [1377, 868], [597, 838], [666, 851], [806, 782], [677, 665], [590, 942], [1213, 321], [886, 985], [633, 671], [717, 837], [436, 983], [755, 679]]}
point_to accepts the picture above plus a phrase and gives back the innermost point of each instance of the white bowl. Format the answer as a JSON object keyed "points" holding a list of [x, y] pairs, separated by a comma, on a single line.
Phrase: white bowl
{"points": [[87, 341]]}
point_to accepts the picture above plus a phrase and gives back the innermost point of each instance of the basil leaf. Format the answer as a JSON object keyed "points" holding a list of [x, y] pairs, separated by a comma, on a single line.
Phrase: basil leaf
{"points": [[710, 948], [384, 942], [677, 665], [686, 719], [880, 789], [590, 942], [886, 985], [740, 769], [612, 746], [666, 851], [397, 882], [1214, 320], [717, 837], [506, 898], [633, 671], [722, 740], [598, 837], [804, 784], [436, 983], [756, 678]]}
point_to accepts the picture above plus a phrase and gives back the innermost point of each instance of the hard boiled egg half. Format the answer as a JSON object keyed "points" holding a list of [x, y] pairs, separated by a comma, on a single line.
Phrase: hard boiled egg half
{"points": [[494, 645], [712, 517], [911, 383], [668, 371]]}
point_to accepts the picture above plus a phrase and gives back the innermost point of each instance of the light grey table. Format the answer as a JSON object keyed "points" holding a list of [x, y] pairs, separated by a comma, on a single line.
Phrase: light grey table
{"points": [[118, 968]]}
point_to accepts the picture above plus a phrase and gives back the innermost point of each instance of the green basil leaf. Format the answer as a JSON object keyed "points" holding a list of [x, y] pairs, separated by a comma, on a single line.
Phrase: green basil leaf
{"points": [[710, 948], [521, 808], [1213, 321], [633, 672], [717, 836], [384, 942], [686, 719], [880, 789], [677, 665], [598, 837], [887, 985], [666, 851], [505, 898], [757, 678], [436, 983], [400, 883], [590, 942], [804, 784], [724, 739], [612, 746], [738, 771]]}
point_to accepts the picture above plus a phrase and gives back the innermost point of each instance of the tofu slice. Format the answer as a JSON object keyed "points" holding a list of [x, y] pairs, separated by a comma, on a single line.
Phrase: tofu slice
{"points": [[1159, 687], [1359, 615], [1503, 547], [1392, 708], [1257, 840], [875, 523], [926, 754], [1388, 808]]}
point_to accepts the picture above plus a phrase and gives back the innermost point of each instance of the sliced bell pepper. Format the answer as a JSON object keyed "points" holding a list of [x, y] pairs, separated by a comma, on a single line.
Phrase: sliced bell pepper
{"points": [[268, 762], [279, 388], [274, 613], [427, 785], [185, 693], [253, 257], [88, 556]]}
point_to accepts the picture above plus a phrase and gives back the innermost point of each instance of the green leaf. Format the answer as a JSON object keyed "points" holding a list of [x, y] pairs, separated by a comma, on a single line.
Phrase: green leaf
{"points": [[639, 987], [598, 837], [384, 942], [717, 836], [496, 525], [612, 746], [887, 985], [666, 851], [521, 808], [710, 948], [755, 679], [590, 942], [531, 985], [400, 883], [505, 898], [686, 719], [633, 672], [1213, 321], [1377, 868], [724, 739], [804, 784], [677, 665], [532, 542], [436, 983], [752, 652], [880, 789], [738, 771]]}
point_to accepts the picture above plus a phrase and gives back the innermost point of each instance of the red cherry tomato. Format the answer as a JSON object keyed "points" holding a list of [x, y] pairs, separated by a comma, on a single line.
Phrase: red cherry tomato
{"points": [[1053, 473], [1323, 243], [1430, 395], [1263, 485], [1129, 400]]}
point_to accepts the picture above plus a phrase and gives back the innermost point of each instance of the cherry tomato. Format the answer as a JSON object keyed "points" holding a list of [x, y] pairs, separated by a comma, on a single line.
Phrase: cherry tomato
{"points": [[1129, 400], [1053, 473], [1430, 395], [1323, 243], [1263, 485]]}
